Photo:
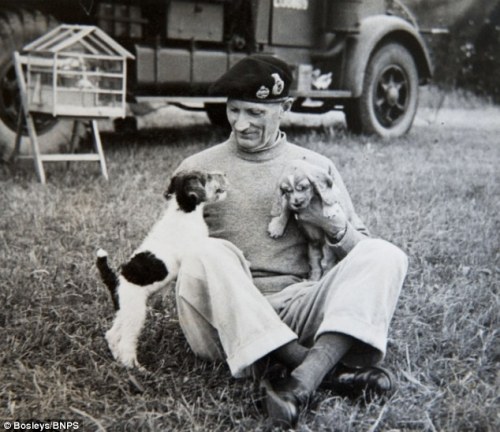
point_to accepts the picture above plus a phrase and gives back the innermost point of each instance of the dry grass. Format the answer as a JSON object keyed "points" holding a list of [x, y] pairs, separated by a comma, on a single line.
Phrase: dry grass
{"points": [[435, 193]]}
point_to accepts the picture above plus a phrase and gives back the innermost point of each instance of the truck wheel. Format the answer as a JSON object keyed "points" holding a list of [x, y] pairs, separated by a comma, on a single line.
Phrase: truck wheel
{"points": [[216, 113], [17, 28], [389, 99]]}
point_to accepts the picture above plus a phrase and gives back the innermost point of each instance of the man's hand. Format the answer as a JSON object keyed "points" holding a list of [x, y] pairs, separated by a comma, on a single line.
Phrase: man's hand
{"points": [[334, 223]]}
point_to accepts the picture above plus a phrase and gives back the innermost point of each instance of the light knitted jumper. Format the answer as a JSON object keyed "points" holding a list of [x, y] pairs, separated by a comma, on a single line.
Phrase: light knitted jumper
{"points": [[245, 214]]}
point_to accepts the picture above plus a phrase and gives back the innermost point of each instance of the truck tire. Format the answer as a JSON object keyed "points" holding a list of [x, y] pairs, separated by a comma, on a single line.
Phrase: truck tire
{"points": [[216, 113], [389, 98], [17, 28]]}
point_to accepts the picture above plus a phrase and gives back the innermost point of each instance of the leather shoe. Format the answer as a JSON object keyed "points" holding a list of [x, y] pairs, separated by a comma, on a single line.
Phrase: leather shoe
{"points": [[283, 402], [354, 382]]}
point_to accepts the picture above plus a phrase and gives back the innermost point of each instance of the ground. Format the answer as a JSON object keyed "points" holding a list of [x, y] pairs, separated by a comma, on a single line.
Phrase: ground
{"points": [[435, 193]]}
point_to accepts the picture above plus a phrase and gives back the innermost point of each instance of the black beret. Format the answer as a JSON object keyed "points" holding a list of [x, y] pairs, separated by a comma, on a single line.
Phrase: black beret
{"points": [[256, 78]]}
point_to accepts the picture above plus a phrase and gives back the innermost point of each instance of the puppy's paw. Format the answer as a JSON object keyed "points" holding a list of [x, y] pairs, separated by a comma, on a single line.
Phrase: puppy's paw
{"points": [[276, 228], [122, 351], [113, 340], [128, 358]]}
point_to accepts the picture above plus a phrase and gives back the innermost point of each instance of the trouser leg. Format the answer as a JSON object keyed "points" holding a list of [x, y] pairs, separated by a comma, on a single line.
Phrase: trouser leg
{"points": [[217, 299], [357, 298]]}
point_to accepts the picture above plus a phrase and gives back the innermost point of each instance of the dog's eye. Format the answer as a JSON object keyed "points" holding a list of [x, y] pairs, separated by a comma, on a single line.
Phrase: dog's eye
{"points": [[285, 191], [302, 187], [220, 191]]}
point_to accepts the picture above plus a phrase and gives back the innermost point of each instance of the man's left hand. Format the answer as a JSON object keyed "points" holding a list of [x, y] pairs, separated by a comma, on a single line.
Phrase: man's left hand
{"points": [[334, 224]]}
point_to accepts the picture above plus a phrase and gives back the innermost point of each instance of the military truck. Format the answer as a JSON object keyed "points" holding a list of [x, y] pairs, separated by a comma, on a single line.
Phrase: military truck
{"points": [[365, 57]]}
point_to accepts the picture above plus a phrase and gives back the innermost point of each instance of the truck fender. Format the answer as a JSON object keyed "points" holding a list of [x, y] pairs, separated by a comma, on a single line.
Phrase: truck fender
{"points": [[374, 32]]}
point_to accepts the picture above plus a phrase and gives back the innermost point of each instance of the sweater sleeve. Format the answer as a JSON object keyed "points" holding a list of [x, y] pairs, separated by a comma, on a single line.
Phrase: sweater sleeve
{"points": [[356, 229]]}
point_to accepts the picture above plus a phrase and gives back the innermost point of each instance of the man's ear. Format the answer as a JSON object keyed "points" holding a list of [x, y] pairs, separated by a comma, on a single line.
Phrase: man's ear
{"points": [[286, 105]]}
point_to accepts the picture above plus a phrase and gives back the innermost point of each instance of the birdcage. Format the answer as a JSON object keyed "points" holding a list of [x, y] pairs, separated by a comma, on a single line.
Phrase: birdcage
{"points": [[76, 70]]}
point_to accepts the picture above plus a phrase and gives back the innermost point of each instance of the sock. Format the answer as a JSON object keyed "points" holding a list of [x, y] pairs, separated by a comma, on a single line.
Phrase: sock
{"points": [[291, 355], [322, 357]]}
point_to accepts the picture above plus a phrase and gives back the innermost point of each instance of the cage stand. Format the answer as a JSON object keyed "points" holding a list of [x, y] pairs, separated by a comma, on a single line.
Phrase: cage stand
{"points": [[38, 157]]}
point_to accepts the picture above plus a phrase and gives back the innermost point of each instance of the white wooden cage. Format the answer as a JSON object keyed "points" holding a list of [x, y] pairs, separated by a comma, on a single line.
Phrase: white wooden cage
{"points": [[76, 70], [73, 71]]}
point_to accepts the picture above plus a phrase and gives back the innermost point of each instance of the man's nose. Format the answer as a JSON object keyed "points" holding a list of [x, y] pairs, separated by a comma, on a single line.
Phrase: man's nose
{"points": [[241, 123]]}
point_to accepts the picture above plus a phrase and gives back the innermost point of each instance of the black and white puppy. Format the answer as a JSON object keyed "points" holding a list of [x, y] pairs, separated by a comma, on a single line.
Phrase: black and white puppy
{"points": [[156, 262]]}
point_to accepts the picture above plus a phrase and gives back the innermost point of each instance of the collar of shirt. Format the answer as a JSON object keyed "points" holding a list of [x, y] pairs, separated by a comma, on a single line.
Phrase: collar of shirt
{"points": [[262, 155]]}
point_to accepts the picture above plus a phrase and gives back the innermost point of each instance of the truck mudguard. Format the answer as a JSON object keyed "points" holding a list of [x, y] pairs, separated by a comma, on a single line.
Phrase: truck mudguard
{"points": [[374, 31]]}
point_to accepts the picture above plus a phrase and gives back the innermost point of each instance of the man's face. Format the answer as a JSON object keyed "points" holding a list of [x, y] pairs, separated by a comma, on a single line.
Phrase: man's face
{"points": [[255, 125]]}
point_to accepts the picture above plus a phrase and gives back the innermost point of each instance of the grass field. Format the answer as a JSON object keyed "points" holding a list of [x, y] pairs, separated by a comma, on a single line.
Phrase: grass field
{"points": [[435, 193]]}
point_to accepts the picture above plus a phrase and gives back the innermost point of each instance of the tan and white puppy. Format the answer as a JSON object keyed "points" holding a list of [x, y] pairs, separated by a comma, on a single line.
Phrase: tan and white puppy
{"points": [[157, 260], [304, 187]]}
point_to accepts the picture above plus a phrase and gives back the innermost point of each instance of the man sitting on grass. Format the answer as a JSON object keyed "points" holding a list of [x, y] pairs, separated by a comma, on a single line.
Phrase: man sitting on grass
{"points": [[264, 309]]}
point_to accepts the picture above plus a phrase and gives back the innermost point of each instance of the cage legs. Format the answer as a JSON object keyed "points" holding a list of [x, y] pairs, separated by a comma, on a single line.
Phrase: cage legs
{"points": [[98, 148]]}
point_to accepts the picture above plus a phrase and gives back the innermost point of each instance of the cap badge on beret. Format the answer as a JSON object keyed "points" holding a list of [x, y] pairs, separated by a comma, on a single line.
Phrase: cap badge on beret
{"points": [[262, 93], [279, 84], [255, 78]]}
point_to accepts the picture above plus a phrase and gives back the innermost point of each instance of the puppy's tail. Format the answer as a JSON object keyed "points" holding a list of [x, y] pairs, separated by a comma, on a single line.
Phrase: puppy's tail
{"points": [[108, 276]]}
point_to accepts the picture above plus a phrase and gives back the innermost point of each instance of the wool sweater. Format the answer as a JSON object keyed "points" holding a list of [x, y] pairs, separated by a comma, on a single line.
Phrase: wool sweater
{"points": [[243, 217]]}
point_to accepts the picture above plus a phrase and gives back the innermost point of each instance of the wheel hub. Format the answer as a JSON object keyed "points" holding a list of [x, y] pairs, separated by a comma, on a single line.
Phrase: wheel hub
{"points": [[391, 94]]}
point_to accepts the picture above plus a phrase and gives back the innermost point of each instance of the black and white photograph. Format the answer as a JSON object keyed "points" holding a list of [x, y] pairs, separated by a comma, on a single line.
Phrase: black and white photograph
{"points": [[250, 215]]}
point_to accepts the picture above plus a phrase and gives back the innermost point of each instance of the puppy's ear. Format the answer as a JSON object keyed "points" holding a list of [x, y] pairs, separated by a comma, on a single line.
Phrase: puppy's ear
{"points": [[322, 183], [171, 187], [190, 191]]}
